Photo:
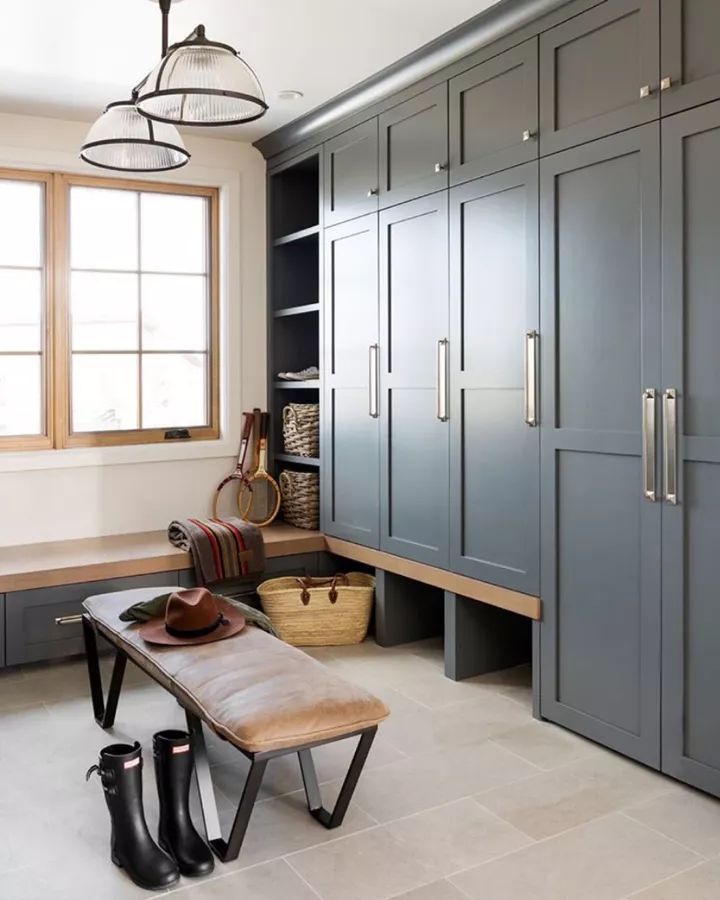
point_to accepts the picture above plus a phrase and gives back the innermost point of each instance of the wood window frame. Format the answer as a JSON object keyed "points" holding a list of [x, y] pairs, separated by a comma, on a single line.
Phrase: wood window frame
{"points": [[44, 441]]}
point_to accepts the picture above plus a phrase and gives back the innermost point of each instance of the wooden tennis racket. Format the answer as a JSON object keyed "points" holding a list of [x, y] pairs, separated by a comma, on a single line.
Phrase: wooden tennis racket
{"points": [[238, 473], [259, 498]]}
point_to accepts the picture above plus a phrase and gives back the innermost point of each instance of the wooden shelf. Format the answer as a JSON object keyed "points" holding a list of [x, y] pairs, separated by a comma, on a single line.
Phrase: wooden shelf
{"points": [[297, 236], [297, 310], [296, 385], [297, 460]]}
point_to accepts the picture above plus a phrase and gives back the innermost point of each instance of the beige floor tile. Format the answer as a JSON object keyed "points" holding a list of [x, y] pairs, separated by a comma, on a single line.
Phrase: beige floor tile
{"points": [[438, 890], [24, 884], [545, 745], [368, 866], [416, 784], [688, 816], [457, 836], [270, 881], [700, 883], [515, 683], [603, 860], [578, 792]]}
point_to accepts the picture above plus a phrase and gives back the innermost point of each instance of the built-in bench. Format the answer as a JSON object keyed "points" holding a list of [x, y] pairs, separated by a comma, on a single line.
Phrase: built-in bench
{"points": [[42, 587]]}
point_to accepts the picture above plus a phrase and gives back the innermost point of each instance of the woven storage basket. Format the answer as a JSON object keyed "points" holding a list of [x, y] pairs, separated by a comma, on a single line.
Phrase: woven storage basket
{"points": [[300, 498], [320, 612], [301, 429]]}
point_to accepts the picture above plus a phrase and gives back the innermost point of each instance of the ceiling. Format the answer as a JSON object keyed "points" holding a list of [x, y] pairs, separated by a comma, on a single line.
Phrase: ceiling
{"points": [[69, 58]]}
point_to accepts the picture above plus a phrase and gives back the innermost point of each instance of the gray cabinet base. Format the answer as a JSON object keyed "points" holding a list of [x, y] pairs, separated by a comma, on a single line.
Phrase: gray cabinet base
{"points": [[481, 638]]}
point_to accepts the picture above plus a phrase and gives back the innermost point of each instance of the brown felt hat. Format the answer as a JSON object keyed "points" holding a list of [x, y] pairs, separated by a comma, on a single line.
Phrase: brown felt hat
{"points": [[194, 616]]}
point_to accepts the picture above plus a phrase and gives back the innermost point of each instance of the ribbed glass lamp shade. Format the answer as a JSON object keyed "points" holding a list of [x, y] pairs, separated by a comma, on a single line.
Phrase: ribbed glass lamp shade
{"points": [[200, 82], [124, 140]]}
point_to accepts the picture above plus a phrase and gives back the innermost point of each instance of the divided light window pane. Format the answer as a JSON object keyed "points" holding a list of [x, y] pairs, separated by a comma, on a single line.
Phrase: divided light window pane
{"points": [[22, 301], [140, 307]]}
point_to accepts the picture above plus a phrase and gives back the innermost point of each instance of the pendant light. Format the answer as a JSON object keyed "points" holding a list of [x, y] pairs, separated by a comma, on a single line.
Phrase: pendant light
{"points": [[123, 140]]}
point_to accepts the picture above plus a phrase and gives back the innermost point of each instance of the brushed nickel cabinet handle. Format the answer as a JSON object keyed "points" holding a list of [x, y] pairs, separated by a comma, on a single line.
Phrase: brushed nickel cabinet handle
{"points": [[531, 338], [374, 400], [440, 167], [666, 83], [670, 446], [528, 135], [442, 380], [648, 444], [69, 620], [373, 192], [645, 91]]}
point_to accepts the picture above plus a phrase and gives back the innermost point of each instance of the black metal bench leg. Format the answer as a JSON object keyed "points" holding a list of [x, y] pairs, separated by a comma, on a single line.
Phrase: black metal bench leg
{"points": [[312, 789], [103, 711]]}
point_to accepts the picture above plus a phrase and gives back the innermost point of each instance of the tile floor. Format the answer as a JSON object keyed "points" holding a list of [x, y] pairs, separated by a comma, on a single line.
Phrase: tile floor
{"points": [[464, 796]]}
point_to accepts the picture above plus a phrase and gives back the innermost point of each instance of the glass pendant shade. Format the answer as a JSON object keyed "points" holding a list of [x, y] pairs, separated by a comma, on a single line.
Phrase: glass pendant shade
{"points": [[124, 140], [200, 82]]}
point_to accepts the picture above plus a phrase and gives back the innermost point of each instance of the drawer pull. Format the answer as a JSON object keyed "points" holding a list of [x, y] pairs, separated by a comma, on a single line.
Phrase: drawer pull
{"points": [[645, 91], [69, 620], [666, 84]]}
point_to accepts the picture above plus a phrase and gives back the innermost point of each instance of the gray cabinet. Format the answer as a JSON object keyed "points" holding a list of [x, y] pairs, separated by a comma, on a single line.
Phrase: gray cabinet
{"points": [[414, 402], [690, 62], [600, 348], [414, 147], [351, 173], [599, 73], [691, 525], [494, 114], [494, 485], [351, 435]]}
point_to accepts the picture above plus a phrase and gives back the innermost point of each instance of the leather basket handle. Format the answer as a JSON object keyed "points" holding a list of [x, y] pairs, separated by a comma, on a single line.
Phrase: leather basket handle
{"points": [[310, 582]]}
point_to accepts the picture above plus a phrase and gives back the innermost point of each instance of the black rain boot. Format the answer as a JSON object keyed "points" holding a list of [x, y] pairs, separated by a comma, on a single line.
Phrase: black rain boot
{"points": [[131, 846], [177, 834]]}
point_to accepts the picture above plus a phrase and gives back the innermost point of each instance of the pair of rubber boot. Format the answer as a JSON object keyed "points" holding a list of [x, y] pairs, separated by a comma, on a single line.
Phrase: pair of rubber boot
{"points": [[181, 850]]}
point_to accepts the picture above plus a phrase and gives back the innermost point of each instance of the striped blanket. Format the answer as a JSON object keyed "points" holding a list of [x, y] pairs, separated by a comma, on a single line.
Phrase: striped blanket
{"points": [[220, 548]]}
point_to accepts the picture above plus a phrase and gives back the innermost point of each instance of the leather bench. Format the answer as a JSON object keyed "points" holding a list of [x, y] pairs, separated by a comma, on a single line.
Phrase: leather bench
{"points": [[263, 696]]}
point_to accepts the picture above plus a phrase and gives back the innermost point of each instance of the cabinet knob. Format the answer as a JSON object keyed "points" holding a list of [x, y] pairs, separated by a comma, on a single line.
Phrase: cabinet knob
{"points": [[440, 167], [528, 135], [373, 192], [666, 84], [645, 91]]}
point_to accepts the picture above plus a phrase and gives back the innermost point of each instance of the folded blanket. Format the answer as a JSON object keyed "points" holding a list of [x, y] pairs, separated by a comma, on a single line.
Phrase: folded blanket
{"points": [[220, 548], [155, 608]]}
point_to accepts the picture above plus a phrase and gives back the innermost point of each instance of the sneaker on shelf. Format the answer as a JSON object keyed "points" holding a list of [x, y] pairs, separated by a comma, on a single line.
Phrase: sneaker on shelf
{"points": [[310, 374]]}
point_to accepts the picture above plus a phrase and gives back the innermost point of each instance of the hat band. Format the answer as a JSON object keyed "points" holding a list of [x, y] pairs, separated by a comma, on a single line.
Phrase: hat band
{"points": [[196, 632]]}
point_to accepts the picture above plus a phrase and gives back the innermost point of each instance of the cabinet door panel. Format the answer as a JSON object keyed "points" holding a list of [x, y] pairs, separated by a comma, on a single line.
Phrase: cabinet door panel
{"points": [[600, 582], [689, 53], [491, 106], [413, 319], [691, 615], [494, 453], [350, 435], [413, 143], [592, 70], [351, 173]]}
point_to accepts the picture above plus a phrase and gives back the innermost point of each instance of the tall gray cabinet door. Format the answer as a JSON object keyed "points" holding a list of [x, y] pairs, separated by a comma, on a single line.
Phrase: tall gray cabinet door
{"points": [[600, 535], [494, 489], [351, 173], [504, 92], [414, 380], [689, 58], [414, 147], [351, 433], [691, 519], [599, 73]]}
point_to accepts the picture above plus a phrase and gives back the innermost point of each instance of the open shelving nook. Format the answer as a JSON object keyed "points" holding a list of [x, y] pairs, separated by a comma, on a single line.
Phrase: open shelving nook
{"points": [[294, 291]]}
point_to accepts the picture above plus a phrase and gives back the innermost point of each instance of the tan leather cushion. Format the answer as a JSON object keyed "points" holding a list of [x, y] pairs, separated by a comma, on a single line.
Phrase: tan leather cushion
{"points": [[253, 689]]}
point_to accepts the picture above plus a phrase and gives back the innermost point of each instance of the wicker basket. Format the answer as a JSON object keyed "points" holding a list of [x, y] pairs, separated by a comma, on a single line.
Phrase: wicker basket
{"points": [[300, 498], [301, 429], [320, 612]]}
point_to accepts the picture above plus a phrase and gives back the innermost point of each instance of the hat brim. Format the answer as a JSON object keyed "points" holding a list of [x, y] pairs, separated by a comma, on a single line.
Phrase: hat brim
{"points": [[154, 631]]}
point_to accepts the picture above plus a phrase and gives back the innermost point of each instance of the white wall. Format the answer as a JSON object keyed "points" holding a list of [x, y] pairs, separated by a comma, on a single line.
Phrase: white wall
{"points": [[61, 494]]}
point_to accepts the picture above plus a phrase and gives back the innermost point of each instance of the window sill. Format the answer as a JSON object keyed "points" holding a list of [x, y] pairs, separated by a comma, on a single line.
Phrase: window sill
{"points": [[85, 457]]}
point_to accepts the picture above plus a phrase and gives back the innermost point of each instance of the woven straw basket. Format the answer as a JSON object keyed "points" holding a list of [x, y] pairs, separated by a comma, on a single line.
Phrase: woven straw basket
{"points": [[301, 429], [320, 612], [300, 498]]}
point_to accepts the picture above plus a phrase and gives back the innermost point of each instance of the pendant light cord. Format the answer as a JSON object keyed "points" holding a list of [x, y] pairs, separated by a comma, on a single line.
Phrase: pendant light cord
{"points": [[165, 11]]}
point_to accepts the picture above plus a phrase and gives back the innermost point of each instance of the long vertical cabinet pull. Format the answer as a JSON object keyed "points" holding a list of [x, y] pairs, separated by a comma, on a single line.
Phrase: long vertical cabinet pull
{"points": [[670, 445], [442, 380], [648, 444], [531, 339], [374, 399]]}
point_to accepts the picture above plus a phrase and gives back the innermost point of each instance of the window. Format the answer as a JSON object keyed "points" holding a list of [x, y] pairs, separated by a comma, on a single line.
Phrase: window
{"points": [[129, 278]]}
